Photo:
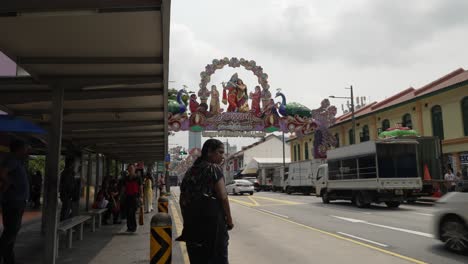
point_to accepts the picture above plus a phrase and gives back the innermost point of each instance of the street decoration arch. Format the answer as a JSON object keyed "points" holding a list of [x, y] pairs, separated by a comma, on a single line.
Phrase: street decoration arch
{"points": [[247, 111]]}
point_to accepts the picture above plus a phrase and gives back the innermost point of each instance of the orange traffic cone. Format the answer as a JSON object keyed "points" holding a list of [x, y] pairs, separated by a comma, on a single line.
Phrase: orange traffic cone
{"points": [[427, 175], [437, 193]]}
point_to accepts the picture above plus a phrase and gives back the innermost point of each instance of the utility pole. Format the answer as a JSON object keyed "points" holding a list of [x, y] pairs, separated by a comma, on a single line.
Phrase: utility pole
{"points": [[353, 119], [284, 155], [352, 113]]}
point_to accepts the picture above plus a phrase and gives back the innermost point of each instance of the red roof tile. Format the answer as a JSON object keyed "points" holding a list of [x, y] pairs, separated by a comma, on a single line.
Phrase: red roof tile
{"points": [[457, 76], [395, 99], [452, 78], [362, 111]]}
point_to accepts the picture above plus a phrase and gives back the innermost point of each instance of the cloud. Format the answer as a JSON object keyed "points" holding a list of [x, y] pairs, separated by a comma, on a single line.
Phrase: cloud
{"points": [[373, 32], [189, 56]]}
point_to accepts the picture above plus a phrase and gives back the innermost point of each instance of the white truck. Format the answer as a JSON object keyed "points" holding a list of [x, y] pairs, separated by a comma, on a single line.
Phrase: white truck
{"points": [[278, 178], [370, 172], [300, 176]]}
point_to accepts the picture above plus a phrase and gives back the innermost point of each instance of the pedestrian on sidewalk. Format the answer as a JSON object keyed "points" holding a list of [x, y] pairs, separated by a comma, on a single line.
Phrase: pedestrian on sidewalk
{"points": [[205, 207], [450, 180], [14, 188], [148, 193], [133, 197], [161, 184], [67, 186], [36, 188]]}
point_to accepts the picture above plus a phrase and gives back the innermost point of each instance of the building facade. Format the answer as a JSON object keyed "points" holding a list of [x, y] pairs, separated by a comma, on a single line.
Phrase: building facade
{"points": [[270, 146], [439, 108]]}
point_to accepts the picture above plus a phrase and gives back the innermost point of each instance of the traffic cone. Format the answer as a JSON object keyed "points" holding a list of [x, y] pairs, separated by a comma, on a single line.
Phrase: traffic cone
{"points": [[437, 193], [427, 175]]}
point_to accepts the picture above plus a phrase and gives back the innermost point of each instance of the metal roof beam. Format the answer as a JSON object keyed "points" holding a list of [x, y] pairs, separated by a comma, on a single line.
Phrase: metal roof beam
{"points": [[89, 60], [90, 110], [96, 81], [116, 135], [16, 6], [67, 126], [110, 132], [114, 141], [16, 97]]}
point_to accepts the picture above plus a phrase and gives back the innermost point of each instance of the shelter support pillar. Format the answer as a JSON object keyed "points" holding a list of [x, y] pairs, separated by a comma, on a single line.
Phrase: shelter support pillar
{"points": [[116, 169], [88, 179], [52, 175], [99, 177]]}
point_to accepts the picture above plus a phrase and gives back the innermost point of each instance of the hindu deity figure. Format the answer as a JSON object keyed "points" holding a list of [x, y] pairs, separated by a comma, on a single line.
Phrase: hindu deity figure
{"points": [[242, 97], [193, 103], [271, 114], [256, 101], [266, 96], [235, 95], [203, 93], [214, 101]]}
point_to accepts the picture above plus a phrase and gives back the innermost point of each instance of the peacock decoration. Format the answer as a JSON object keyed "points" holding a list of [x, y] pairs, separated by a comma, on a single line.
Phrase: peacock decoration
{"points": [[293, 108], [176, 103]]}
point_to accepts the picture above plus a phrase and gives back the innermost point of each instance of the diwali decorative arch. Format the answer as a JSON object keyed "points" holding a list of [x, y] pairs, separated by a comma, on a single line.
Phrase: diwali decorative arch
{"points": [[243, 110]]}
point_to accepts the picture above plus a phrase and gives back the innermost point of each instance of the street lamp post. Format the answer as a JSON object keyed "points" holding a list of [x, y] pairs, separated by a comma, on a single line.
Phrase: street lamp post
{"points": [[353, 119]]}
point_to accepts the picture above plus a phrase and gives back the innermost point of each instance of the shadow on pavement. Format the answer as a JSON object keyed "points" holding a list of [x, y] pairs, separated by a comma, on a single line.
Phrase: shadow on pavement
{"points": [[440, 250]]}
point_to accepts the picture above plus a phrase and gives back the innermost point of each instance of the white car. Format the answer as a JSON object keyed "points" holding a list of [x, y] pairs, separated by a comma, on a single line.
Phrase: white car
{"points": [[240, 187], [451, 221]]}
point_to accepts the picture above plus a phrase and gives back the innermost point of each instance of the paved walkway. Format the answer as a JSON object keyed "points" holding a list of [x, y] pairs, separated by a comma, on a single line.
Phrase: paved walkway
{"points": [[110, 244]]}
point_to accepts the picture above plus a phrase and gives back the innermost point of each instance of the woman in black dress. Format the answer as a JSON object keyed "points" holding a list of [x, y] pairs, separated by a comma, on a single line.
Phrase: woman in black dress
{"points": [[205, 207]]}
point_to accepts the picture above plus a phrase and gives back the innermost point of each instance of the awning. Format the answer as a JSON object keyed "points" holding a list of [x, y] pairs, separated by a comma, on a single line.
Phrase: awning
{"points": [[258, 163], [10, 123], [251, 168]]}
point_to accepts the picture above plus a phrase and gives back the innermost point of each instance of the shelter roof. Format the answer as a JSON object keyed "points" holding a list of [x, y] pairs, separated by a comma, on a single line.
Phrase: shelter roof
{"points": [[111, 57]]}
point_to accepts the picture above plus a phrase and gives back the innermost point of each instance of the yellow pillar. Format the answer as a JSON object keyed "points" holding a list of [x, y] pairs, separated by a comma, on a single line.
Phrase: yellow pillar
{"points": [[420, 124]]}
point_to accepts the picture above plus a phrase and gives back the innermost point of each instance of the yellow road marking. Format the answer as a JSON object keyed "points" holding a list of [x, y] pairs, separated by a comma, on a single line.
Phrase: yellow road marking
{"points": [[277, 200], [242, 202], [253, 200], [343, 238], [179, 226]]}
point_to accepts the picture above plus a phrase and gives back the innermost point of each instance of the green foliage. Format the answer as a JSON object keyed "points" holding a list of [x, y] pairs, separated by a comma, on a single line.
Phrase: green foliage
{"points": [[38, 163]]}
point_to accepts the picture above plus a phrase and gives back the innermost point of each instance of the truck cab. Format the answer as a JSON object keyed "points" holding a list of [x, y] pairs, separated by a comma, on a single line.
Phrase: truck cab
{"points": [[321, 180]]}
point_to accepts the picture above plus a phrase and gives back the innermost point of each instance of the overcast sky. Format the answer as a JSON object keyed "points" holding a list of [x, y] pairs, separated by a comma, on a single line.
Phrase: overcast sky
{"points": [[312, 48]]}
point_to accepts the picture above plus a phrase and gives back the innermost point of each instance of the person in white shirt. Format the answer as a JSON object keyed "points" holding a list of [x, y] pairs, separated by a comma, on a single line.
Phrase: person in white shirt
{"points": [[451, 180]]}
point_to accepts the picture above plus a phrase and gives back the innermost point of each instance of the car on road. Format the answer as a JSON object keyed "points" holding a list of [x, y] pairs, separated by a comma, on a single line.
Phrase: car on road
{"points": [[240, 187], [451, 221], [254, 181]]}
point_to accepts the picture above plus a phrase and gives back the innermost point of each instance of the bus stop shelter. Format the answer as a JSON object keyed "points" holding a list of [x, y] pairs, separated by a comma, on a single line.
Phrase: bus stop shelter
{"points": [[96, 74]]}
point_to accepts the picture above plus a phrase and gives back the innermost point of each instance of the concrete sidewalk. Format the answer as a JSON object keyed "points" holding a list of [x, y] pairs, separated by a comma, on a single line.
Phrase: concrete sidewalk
{"points": [[109, 244]]}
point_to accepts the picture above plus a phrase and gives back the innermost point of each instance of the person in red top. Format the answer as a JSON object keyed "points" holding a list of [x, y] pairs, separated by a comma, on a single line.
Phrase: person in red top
{"points": [[133, 189]]}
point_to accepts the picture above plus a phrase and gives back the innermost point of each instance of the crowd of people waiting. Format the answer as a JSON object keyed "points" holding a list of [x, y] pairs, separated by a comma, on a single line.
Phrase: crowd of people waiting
{"points": [[124, 196]]}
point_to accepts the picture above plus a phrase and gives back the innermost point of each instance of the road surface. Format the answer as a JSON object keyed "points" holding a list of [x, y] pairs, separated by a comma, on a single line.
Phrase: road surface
{"points": [[280, 228]]}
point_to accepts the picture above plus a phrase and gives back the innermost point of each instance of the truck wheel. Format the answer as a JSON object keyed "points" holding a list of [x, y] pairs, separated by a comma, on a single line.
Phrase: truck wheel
{"points": [[251, 193], [392, 204], [288, 190], [325, 197], [359, 201]]}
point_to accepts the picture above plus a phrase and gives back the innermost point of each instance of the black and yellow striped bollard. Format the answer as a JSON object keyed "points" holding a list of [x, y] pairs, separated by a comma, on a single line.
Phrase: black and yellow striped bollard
{"points": [[163, 205], [161, 239]]}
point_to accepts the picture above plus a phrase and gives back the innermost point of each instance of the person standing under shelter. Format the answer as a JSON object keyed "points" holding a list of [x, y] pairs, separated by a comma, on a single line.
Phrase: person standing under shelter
{"points": [[14, 188], [67, 183], [36, 190], [133, 189]]}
